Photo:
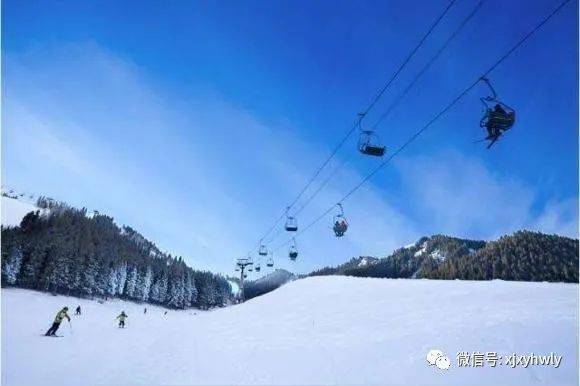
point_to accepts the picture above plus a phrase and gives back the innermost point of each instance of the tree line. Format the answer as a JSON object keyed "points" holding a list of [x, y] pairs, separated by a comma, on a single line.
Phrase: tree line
{"points": [[65, 251], [524, 256]]}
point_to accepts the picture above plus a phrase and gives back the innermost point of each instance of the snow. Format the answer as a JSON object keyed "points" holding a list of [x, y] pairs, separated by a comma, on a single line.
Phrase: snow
{"points": [[422, 250], [13, 211], [363, 262], [319, 330], [436, 254], [235, 287]]}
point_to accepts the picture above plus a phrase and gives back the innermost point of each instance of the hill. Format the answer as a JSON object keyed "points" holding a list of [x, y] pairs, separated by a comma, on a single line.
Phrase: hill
{"points": [[527, 256], [317, 330], [64, 250]]}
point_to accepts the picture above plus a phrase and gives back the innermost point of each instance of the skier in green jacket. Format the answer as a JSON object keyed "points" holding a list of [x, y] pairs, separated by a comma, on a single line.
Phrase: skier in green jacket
{"points": [[122, 318], [59, 317]]}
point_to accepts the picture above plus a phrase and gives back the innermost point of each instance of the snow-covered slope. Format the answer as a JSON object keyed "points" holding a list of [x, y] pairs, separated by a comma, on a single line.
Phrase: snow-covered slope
{"points": [[13, 210], [319, 330]]}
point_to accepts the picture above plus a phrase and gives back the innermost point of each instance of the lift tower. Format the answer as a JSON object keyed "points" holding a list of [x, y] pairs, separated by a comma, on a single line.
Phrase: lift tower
{"points": [[242, 263]]}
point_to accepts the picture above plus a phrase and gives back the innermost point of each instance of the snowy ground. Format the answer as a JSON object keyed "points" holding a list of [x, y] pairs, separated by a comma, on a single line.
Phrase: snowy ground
{"points": [[14, 210], [325, 330]]}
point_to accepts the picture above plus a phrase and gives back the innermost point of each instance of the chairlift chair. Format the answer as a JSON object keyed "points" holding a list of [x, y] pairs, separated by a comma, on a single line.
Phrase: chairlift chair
{"points": [[340, 225], [368, 141], [293, 251], [262, 251], [270, 262], [291, 222], [497, 116]]}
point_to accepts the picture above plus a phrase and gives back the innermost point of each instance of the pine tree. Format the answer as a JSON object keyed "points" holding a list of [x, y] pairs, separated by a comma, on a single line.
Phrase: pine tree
{"points": [[131, 282], [143, 285], [12, 265]]}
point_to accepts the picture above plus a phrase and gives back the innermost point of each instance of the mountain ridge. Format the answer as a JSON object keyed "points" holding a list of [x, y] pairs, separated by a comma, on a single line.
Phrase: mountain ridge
{"points": [[523, 255]]}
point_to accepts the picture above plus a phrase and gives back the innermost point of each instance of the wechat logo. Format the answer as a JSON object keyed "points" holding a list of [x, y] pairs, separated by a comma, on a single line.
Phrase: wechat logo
{"points": [[437, 358]]}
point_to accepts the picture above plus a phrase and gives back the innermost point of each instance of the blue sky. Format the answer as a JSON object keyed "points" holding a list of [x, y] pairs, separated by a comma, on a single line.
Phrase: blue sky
{"points": [[197, 122]]}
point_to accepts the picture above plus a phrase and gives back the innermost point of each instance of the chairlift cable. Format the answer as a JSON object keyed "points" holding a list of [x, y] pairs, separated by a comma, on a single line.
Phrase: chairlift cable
{"points": [[435, 118], [368, 108], [399, 97], [428, 64]]}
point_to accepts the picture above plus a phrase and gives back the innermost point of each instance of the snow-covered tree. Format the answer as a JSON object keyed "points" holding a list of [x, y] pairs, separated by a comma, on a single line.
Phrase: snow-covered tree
{"points": [[144, 284], [176, 296], [131, 282], [112, 282], [12, 265], [121, 278]]}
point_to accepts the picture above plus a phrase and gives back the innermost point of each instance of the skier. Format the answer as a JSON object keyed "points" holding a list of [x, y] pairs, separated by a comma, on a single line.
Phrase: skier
{"points": [[59, 317], [122, 318], [145, 310], [78, 310]]}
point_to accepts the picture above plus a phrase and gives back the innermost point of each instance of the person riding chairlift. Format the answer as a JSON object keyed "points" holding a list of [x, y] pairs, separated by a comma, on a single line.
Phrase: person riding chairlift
{"points": [[340, 227]]}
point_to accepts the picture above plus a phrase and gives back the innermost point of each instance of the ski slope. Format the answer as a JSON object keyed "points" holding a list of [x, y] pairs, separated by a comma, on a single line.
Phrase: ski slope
{"points": [[322, 330]]}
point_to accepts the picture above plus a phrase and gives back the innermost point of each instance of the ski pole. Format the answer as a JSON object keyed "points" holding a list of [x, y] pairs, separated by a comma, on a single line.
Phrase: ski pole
{"points": [[71, 329]]}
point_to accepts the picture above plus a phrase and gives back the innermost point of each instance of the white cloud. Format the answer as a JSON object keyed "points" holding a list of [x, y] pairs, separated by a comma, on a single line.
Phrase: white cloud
{"points": [[558, 217], [458, 195]]}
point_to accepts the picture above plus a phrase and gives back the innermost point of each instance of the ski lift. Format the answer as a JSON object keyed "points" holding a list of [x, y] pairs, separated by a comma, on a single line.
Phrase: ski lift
{"points": [[270, 262], [291, 222], [368, 141], [497, 117], [257, 268], [262, 251], [237, 269], [293, 251], [340, 225]]}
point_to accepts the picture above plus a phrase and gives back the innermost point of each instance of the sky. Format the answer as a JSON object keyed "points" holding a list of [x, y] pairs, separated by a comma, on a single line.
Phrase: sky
{"points": [[198, 122]]}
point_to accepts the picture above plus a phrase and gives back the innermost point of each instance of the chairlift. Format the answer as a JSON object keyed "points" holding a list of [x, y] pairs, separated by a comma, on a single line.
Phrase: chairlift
{"points": [[340, 225], [291, 222], [262, 251], [497, 116], [368, 141], [293, 251], [257, 268], [270, 262]]}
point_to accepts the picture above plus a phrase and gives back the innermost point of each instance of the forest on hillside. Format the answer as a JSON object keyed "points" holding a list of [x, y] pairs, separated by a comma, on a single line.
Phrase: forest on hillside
{"points": [[525, 256], [65, 251]]}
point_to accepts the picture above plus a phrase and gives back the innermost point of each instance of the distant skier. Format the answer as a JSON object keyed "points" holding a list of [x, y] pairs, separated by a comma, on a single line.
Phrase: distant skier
{"points": [[78, 310], [59, 317], [165, 313], [145, 310], [122, 318]]}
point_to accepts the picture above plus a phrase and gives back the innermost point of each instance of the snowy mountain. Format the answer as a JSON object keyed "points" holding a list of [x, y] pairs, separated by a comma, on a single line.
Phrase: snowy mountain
{"points": [[529, 256], [56, 248], [318, 330]]}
